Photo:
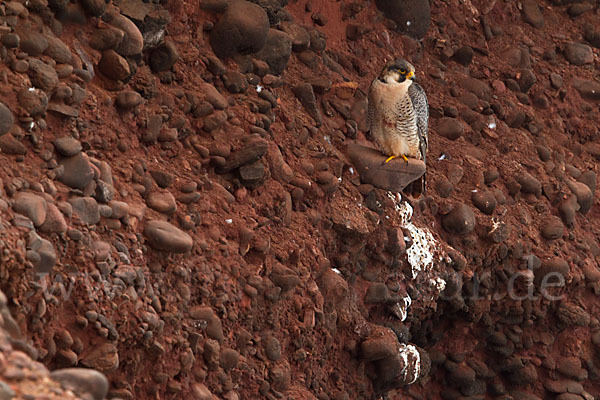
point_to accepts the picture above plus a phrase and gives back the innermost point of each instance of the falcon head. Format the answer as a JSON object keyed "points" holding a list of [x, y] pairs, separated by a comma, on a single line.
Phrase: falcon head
{"points": [[398, 71]]}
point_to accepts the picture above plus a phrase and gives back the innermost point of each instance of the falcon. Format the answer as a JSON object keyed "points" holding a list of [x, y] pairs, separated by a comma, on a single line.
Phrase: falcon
{"points": [[398, 112]]}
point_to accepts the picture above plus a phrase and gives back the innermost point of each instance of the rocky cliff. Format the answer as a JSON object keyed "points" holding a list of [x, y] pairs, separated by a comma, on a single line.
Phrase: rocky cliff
{"points": [[191, 207]]}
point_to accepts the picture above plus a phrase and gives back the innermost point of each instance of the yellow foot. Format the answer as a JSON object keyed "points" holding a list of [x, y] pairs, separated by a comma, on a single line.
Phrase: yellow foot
{"points": [[405, 159], [390, 158]]}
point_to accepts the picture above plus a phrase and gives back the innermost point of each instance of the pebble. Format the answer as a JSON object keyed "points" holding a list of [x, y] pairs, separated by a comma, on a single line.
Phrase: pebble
{"points": [[58, 51], [298, 35], [55, 220], [276, 51], [163, 202], [450, 128], [305, 94], [460, 220], [128, 99], [579, 53], [42, 75], [94, 7], [78, 172], [164, 236], [103, 357], [164, 57], [229, 359], [532, 14], [529, 184], [10, 145], [585, 196], [6, 119], [82, 381], [133, 41], [243, 28], [34, 101], [67, 146], [273, 348], [552, 228], [485, 201], [33, 43], [32, 206], [86, 209], [46, 255], [113, 65]]}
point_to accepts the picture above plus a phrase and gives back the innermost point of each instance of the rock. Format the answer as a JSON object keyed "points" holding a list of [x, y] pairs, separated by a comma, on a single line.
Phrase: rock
{"points": [[32, 206], [235, 82], [529, 184], [164, 57], [78, 172], [212, 95], [478, 87], [6, 119], [42, 75], [33, 43], [379, 346], [485, 201], [133, 41], [450, 128], [229, 359], [104, 358], [276, 51], [163, 202], [578, 53], [526, 80], [82, 381], [242, 29], [273, 348], [58, 51], [550, 269], [552, 228], [460, 220], [250, 153], [114, 66], [165, 237], [46, 255], [67, 146], [377, 293], [55, 221], [298, 35], [10, 145], [94, 8], [589, 179], [393, 176], [129, 99], [585, 197], [412, 17], [464, 55], [532, 13], [106, 38], [86, 208], [570, 315], [63, 109], [34, 101], [588, 89], [214, 328], [304, 92]]}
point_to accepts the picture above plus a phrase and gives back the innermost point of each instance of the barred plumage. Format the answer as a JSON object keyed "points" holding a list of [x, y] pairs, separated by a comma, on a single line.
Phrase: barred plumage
{"points": [[398, 112]]}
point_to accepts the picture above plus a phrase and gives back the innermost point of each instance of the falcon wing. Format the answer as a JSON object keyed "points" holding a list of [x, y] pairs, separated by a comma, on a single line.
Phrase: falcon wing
{"points": [[370, 107], [421, 106]]}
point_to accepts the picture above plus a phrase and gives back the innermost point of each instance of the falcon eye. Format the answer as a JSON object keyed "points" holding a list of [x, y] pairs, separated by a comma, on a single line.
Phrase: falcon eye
{"points": [[402, 71]]}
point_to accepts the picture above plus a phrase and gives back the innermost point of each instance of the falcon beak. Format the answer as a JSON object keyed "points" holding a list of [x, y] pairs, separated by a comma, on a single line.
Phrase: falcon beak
{"points": [[411, 76]]}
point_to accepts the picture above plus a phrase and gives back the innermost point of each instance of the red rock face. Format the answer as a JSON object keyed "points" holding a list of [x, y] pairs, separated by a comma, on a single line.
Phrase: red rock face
{"points": [[196, 227]]}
